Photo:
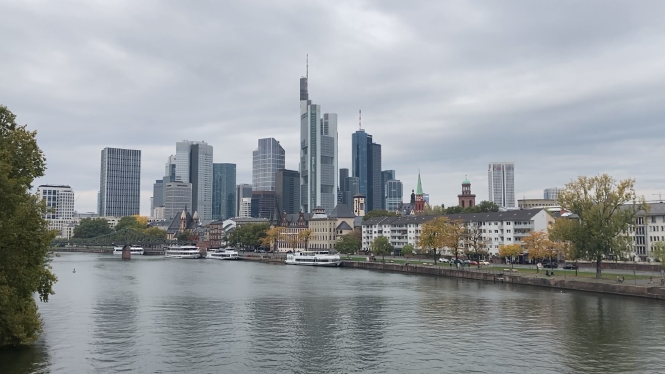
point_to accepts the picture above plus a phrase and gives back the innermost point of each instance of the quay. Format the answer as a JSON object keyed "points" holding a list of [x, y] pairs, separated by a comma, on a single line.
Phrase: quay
{"points": [[557, 282]]}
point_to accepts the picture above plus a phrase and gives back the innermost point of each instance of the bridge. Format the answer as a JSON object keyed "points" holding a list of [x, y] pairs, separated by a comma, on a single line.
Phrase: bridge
{"points": [[126, 236]]}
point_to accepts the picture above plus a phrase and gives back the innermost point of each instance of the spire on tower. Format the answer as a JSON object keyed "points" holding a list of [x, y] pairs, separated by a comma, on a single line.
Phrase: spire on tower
{"points": [[360, 119], [419, 187]]}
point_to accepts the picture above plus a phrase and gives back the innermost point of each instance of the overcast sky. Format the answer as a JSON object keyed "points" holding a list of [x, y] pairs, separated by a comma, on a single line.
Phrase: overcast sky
{"points": [[561, 88]]}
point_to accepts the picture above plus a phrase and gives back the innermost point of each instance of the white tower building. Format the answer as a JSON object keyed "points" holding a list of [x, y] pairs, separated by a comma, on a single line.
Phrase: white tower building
{"points": [[501, 184]]}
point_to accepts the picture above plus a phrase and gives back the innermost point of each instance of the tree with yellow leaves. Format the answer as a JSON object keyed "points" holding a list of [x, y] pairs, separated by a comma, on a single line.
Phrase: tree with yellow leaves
{"points": [[305, 236], [510, 251], [271, 237], [432, 235], [540, 246], [454, 237]]}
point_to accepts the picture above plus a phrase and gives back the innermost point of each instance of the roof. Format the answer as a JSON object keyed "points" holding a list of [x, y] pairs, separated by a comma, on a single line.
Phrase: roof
{"points": [[344, 226], [466, 180], [513, 215], [419, 187], [342, 211]]}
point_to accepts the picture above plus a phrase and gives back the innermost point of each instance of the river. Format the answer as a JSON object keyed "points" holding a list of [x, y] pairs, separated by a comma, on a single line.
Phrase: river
{"points": [[154, 315]]}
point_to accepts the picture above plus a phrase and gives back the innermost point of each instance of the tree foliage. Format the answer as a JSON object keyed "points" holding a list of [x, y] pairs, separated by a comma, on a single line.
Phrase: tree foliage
{"points": [[408, 251], [92, 227], [432, 235], [539, 246], [132, 222], [379, 213], [381, 247], [24, 235], [156, 232], [510, 251], [347, 244], [305, 236], [454, 236], [474, 242], [249, 235], [483, 207], [606, 210], [658, 252], [272, 235]]}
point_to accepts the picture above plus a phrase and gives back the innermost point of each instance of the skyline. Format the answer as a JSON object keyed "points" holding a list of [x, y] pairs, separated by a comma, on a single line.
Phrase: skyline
{"points": [[445, 88]]}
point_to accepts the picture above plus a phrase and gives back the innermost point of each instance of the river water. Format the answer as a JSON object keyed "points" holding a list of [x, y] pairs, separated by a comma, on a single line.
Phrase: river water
{"points": [[154, 315]]}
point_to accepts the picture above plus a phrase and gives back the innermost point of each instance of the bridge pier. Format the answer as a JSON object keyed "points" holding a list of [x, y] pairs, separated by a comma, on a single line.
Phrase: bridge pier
{"points": [[126, 253]]}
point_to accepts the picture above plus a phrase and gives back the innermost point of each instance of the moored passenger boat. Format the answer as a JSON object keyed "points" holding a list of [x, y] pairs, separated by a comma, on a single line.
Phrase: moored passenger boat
{"points": [[182, 251], [133, 250], [223, 254], [313, 258]]}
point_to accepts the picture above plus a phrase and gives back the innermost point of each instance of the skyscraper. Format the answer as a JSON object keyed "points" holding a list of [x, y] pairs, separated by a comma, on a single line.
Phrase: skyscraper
{"points": [[287, 191], [318, 155], [394, 195], [157, 195], [267, 159], [386, 175], [366, 166], [223, 191], [177, 197], [501, 184], [551, 193], [120, 182], [243, 191], [194, 165], [343, 174]]}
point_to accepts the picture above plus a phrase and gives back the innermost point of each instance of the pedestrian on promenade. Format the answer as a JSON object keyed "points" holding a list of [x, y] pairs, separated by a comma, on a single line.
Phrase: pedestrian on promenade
{"points": [[650, 280]]}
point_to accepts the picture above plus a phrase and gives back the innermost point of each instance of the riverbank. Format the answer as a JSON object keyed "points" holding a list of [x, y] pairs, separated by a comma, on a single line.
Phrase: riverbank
{"points": [[591, 285]]}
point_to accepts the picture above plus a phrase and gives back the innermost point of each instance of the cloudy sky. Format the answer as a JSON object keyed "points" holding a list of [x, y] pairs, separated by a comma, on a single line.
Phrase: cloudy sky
{"points": [[561, 88]]}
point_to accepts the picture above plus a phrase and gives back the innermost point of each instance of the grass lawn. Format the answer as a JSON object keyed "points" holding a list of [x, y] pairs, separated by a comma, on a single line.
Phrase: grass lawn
{"points": [[568, 273]]}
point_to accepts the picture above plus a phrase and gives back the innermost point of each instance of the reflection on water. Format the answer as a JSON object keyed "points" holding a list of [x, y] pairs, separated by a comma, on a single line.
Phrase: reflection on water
{"points": [[174, 316]]}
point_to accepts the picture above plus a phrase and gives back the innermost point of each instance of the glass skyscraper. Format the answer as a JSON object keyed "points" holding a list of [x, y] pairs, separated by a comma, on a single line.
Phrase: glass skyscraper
{"points": [[501, 183], [194, 165], [120, 182], [366, 166], [267, 159], [223, 191]]}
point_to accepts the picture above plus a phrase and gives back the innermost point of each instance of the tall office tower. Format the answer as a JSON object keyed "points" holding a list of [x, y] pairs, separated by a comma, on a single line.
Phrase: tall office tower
{"points": [[157, 195], [59, 205], [245, 207], [386, 175], [194, 165], [267, 159], [318, 155], [177, 197], [120, 182], [343, 174], [223, 191], [366, 166], [501, 183], [394, 194], [169, 169], [263, 204], [552, 193], [243, 191], [287, 191], [351, 189]]}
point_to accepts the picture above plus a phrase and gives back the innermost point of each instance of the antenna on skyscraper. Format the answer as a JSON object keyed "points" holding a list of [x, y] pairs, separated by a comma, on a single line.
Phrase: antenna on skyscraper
{"points": [[307, 72], [360, 119]]}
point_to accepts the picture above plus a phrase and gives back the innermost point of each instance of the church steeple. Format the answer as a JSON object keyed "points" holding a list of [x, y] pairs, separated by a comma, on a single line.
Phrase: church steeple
{"points": [[466, 198], [419, 187], [420, 201]]}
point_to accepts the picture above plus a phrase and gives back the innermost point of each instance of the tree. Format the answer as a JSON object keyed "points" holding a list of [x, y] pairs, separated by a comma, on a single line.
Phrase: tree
{"points": [[454, 236], [271, 237], [408, 251], [24, 235], [484, 207], [456, 209], [379, 213], [475, 242], [510, 251], [92, 227], [381, 247], [347, 245], [436, 210], [305, 236], [156, 232], [432, 235], [558, 232], [183, 237], [131, 222], [540, 246], [606, 210]]}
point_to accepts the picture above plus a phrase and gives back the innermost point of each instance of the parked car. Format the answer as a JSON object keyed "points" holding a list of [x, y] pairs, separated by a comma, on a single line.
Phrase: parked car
{"points": [[570, 267], [550, 265], [457, 261], [474, 263], [484, 262], [443, 259], [467, 262]]}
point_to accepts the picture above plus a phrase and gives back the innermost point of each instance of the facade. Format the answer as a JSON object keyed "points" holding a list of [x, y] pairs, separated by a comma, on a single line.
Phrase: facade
{"points": [[293, 225], [177, 197], [649, 229], [216, 234], [262, 204], [551, 193], [318, 155], [120, 182], [194, 165], [359, 205], [223, 191], [169, 169], [501, 184], [157, 195], [466, 199], [266, 160], [498, 228], [536, 203], [366, 166], [394, 195], [343, 174], [242, 191], [59, 201], [287, 191], [245, 208], [419, 203]]}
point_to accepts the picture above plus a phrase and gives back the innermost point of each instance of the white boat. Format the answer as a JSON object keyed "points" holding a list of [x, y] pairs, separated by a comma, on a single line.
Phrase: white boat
{"points": [[223, 254], [182, 251], [135, 250], [313, 258]]}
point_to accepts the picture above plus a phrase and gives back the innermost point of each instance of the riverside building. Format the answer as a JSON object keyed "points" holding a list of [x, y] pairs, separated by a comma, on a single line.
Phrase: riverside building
{"points": [[59, 201], [120, 182]]}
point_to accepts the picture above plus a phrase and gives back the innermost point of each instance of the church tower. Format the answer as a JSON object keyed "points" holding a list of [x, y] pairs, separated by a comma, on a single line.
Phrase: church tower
{"points": [[466, 199], [420, 201]]}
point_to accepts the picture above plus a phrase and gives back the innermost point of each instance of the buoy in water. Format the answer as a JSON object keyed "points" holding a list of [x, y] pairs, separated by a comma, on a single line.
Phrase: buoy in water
{"points": [[74, 271]]}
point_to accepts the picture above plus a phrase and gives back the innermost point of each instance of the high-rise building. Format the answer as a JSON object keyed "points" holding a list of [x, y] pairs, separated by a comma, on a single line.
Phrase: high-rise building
{"points": [[177, 197], [343, 174], [245, 207], [194, 165], [551, 193], [351, 189], [263, 204], [366, 166], [59, 205], [169, 169], [267, 159], [386, 175], [318, 155], [394, 194], [223, 191], [501, 184], [287, 191], [157, 195], [243, 191], [120, 182]]}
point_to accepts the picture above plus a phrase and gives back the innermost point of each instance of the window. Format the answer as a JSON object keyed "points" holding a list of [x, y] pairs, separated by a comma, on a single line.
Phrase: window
{"points": [[508, 231], [653, 219], [508, 223], [496, 223], [496, 231]]}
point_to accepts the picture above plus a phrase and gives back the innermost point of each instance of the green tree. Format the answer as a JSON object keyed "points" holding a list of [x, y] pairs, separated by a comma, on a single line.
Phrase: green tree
{"points": [[24, 235], [407, 251], [454, 210], [484, 207], [347, 244], [454, 236], [381, 247], [436, 210], [91, 228], [129, 222], [305, 236], [379, 213], [156, 232], [606, 210], [183, 237]]}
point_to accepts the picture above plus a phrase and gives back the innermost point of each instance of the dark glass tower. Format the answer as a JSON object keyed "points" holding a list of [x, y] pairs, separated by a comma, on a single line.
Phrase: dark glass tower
{"points": [[223, 191]]}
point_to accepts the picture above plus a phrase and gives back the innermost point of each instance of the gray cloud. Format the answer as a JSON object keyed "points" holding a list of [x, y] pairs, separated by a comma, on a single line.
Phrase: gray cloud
{"points": [[562, 88]]}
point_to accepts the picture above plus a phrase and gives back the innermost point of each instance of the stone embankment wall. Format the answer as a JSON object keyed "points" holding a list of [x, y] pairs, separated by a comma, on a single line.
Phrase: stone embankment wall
{"points": [[639, 266], [558, 283]]}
